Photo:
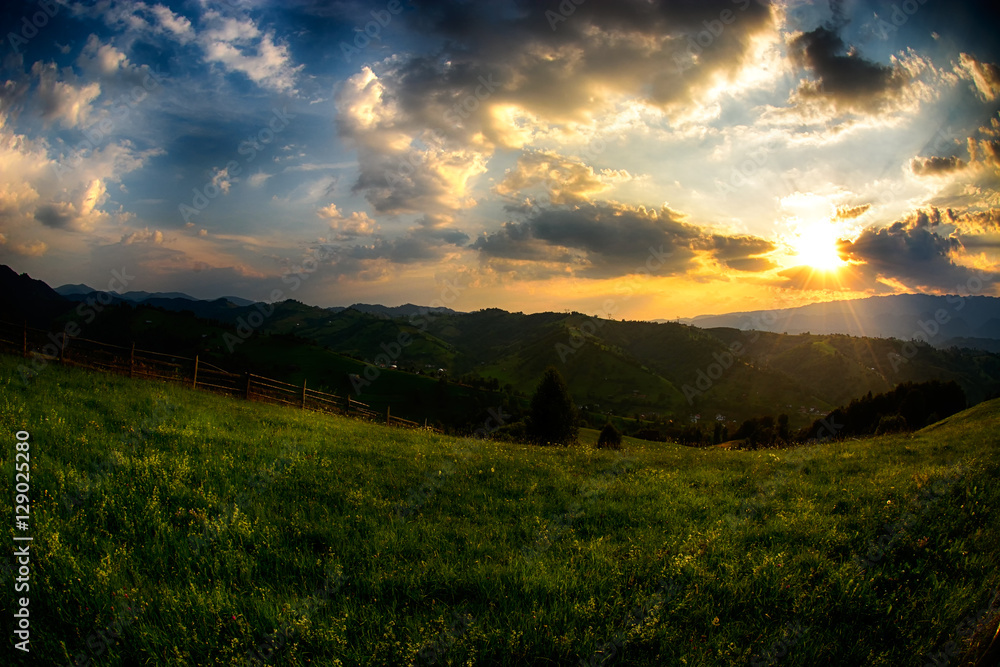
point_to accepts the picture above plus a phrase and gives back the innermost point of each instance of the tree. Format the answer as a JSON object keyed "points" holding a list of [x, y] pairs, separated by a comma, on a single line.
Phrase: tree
{"points": [[783, 433], [890, 424], [610, 438], [553, 418]]}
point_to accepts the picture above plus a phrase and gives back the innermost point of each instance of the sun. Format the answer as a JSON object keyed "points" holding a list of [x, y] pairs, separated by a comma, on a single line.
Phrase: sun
{"points": [[814, 244]]}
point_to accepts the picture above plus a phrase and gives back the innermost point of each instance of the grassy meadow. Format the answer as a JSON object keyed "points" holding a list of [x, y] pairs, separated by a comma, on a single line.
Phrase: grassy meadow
{"points": [[176, 527]]}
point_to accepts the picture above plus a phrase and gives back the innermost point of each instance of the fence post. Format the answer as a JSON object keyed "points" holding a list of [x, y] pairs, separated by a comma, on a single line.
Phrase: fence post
{"points": [[24, 350], [246, 392], [387, 415], [62, 349], [131, 361], [348, 403], [194, 382], [303, 393]]}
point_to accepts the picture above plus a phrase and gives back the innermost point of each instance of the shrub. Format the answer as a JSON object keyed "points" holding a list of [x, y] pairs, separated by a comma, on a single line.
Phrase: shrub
{"points": [[610, 438], [890, 424]]}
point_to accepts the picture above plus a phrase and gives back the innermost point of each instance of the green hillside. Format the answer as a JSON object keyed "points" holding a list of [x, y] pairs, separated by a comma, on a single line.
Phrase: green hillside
{"points": [[279, 351], [659, 371], [204, 531]]}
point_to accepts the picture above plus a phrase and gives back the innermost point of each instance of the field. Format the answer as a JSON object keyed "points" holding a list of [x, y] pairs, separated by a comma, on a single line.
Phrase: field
{"points": [[176, 527]]}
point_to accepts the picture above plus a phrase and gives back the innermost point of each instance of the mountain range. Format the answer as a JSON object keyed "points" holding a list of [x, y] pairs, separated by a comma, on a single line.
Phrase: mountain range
{"points": [[656, 371], [943, 321]]}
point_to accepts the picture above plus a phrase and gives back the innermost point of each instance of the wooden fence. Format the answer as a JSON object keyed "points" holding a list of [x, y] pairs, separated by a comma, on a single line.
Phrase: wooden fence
{"points": [[44, 347]]}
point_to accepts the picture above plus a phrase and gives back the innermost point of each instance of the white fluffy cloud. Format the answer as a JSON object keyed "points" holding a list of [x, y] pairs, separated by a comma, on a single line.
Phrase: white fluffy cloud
{"points": [[239, 46], [350, 226]]}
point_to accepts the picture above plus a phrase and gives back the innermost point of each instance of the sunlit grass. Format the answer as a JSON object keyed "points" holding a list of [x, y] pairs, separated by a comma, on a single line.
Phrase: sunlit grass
{"points": [[212, 522]]}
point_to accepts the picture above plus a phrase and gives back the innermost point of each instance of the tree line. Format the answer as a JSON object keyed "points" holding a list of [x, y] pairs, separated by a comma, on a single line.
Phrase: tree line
{"points": [[908, 407], [553, 418]]}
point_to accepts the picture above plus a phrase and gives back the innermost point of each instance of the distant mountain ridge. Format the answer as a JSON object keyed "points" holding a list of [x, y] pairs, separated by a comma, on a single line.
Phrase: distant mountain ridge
{"points": [[172, 301], [406, 310], [971, 321], [664, 371], [77, 292]]}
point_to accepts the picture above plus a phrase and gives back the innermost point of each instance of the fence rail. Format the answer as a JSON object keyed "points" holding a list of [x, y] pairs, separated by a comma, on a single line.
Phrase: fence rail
{"points": [[45, 347]]}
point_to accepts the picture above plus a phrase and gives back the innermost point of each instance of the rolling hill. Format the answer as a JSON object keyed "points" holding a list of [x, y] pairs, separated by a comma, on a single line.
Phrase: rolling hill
{"points": [[195, 529], [653, 371]]}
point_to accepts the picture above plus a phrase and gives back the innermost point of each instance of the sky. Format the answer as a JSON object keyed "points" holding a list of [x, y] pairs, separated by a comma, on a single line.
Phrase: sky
{"points": [[635, 159]]}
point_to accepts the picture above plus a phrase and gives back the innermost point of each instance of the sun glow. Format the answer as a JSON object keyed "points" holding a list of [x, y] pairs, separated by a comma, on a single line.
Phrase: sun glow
{"points": [[815, 245], [814, 232]]}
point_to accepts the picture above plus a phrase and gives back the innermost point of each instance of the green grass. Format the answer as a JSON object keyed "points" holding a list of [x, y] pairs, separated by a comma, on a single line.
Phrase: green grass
{"points": [[223, 521]]}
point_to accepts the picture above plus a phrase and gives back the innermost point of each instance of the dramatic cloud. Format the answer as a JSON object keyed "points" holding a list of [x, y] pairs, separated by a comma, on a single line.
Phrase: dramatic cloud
{"points": [[605, 240], [843, 77], [743, 253], [910, 252], [529, 147], [985, 76], [565, 180], [424, 126], [852, 212], [60, 100], [936, 166]]}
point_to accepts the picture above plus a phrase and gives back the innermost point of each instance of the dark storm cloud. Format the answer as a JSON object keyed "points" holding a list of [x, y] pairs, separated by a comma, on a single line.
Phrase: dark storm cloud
{"points": [[843, 77], [550, 64], [925, 218], [743, 252], [608, 240], [51, 216], [936, 166], [910, 252], [604, 240]]}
